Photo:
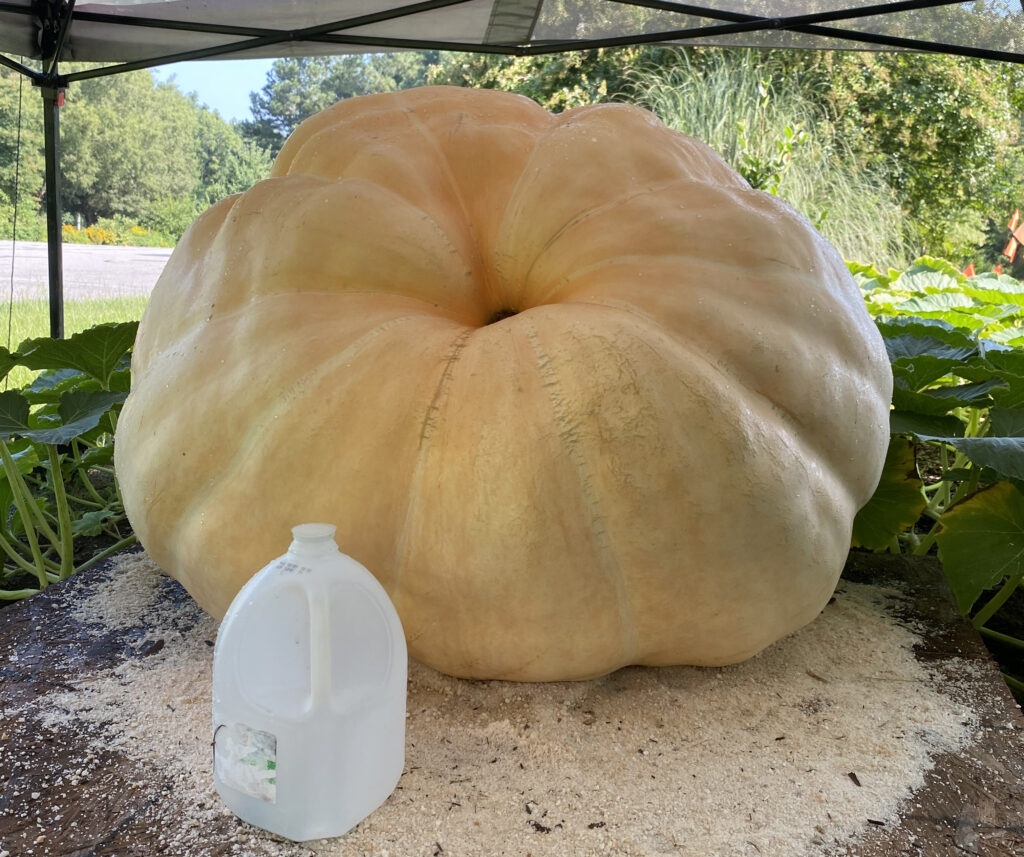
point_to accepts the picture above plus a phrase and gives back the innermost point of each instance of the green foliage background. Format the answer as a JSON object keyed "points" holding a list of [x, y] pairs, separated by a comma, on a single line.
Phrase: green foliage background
{"points": [[133, 152], [891, 155], [937, 140]]}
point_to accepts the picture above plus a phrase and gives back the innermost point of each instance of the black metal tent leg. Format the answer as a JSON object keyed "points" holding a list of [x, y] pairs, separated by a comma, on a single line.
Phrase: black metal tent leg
{"points": [[52, 99]]}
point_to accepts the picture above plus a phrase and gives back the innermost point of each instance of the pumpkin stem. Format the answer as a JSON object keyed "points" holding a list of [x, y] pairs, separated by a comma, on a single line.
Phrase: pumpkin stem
{"points": [[501, 314]]}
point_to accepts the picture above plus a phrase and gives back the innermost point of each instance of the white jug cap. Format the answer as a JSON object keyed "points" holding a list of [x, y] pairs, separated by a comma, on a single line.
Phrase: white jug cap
{"points": [[313, 532]]}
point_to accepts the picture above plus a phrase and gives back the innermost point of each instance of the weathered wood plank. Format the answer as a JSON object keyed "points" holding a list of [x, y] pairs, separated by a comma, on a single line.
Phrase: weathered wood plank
{"points": [[62, 792]]}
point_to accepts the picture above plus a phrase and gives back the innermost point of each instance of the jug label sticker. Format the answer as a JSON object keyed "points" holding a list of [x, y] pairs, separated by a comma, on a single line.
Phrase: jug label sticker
{"points": [[246, 759]]}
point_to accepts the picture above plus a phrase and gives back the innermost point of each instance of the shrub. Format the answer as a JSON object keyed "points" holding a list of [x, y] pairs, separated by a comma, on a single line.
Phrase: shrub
{"points": [[116, 231]]}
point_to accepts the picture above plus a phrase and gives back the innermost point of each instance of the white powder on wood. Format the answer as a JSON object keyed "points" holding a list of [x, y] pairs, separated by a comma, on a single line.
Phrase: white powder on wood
{"points": [[795, 752], [127, 595]]}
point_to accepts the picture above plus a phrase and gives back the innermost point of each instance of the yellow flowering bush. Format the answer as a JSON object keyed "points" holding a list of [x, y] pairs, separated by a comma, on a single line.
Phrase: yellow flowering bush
{"points": [[116, 231]]}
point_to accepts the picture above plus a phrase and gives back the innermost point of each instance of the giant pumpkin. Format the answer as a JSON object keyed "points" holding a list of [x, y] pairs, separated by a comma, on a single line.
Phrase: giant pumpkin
{"points": [[576, 394]]}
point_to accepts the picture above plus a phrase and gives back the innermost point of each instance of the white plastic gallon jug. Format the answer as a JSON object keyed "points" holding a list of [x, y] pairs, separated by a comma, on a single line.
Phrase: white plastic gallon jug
{"points": [[309, 678]]}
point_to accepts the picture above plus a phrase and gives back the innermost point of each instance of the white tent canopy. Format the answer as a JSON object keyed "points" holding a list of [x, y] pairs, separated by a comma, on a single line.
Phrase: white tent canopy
{"points": [[123, 35], [160, 31]]}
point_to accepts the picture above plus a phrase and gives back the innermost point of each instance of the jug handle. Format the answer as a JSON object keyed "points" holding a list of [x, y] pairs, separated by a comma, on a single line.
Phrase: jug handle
{"points": [[319, 650]]}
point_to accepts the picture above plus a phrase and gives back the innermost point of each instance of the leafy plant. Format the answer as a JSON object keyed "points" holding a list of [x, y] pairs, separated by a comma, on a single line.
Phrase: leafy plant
{"points": [[57, 483], [769, 126], [765, 170], [956, 460]]}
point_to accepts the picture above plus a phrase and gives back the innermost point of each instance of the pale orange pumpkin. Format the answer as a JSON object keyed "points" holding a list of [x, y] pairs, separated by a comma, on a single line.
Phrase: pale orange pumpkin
{"points": [[575, 393]]}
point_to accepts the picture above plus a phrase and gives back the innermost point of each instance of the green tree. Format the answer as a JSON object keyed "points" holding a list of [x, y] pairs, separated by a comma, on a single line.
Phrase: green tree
{"points": [[21, 156], [228, 163], [125, 143], [555, 81], [297, 88], [943, 128]]}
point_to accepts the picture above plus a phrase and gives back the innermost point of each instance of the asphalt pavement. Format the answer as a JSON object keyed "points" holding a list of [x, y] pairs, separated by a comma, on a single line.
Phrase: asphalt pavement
{"points": [[90, 270]]}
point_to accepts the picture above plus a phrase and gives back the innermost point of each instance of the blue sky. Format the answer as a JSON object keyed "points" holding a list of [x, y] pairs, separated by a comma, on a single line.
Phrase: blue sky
{"points": [[222, 85]]}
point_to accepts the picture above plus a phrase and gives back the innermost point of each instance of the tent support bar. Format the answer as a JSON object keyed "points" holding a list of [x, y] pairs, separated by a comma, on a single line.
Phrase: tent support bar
{"points": [[274, 37], [54, 50], [14, 65], [52, 99]]}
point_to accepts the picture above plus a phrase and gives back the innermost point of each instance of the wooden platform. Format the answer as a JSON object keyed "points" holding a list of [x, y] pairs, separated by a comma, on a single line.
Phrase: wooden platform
{"points": [[63, 793]]}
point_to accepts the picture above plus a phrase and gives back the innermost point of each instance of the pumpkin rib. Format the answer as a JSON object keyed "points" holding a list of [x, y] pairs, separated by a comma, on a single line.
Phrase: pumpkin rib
{"points": [[430, 418], [611, 567], [712, 217], [436, 239], [627, 261], [428, 425], [769, 313], [795, 425], [821, 486], [259, 429], [634, 259], [480, 266], [545, 167], [581, 218]]}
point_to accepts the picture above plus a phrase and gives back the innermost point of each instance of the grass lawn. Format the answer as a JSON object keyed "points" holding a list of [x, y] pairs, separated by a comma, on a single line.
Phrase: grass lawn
{"points": [[29, 319]]}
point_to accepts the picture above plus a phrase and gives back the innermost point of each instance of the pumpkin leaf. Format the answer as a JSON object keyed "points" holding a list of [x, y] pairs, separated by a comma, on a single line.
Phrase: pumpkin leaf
{"points": [[1007, 360], [981, 542], [25, 455], [964, 320], [926, 277], [1001, 295], [976, 370], [868, 276], [1009, 335], [1005, 455], [80, 412], [48, 386], [1006, 422], [897, 503], [910, 345], [907, 422], [7, 362], [13, 413], [1011, 394], [934, 328], [937, 263], [98, 456], [938, 303], [97, 351], [91, 523], [941, 400], [916, 373], [81, 405], [967, 395]]}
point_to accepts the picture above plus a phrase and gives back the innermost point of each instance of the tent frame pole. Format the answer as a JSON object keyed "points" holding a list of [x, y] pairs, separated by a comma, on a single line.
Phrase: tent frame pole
{"points": [[53, 98], [54, 18]]}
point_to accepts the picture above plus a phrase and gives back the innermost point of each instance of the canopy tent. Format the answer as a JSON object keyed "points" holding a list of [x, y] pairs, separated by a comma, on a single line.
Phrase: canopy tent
{"points": [[125, 35]]}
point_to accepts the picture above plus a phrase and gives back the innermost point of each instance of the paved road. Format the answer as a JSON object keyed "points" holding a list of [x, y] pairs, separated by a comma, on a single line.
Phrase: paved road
{"points": [[90, 271]]}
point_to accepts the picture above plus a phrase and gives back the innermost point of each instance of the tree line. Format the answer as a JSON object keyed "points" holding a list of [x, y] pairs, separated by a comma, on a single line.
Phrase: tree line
{"points": [[926, 149], [134, 152], [890, 154]]}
